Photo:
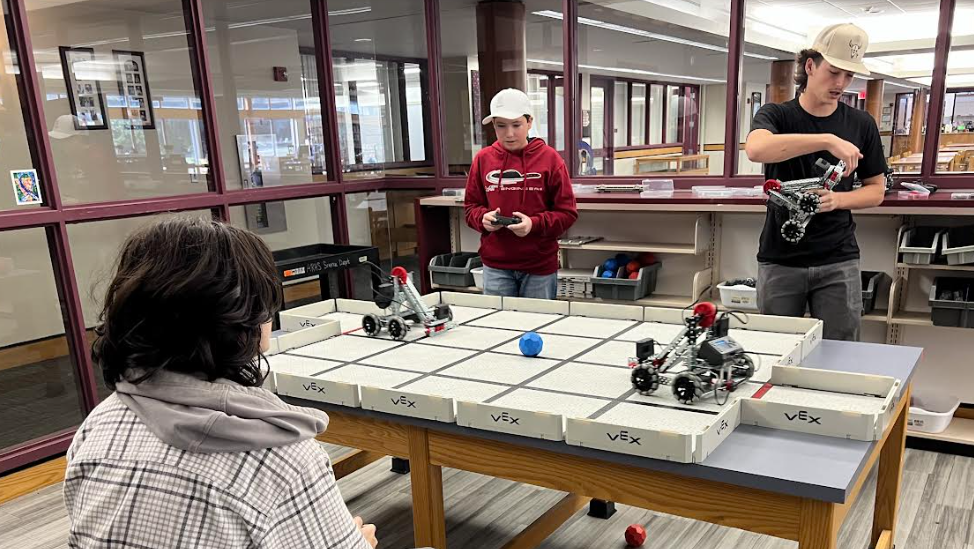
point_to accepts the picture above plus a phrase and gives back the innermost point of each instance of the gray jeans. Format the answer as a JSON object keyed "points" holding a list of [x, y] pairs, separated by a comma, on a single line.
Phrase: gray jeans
{"points": [[833, 293]]}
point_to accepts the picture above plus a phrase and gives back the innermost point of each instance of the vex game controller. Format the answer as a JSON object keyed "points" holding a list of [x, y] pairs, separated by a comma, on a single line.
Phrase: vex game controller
{"points": [[504, 221]]}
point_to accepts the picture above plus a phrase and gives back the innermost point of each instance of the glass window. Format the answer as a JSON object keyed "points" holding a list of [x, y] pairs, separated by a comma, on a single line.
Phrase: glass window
{"points": [[15, 151], [265, 84], [674, 114], [381, 84], [776, 30], [658, 47], [620, 115], [88, 51], [38, 389], [656, 115], [94, 249], [538, 86], [386, 220], [638, 109], [956, 141], [291, 224], [523, 43]]}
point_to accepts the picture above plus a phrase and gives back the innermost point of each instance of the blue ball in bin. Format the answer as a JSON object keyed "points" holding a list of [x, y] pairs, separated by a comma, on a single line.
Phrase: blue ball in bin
{"points": [[608, 274], [530, 344], [610, 265]]}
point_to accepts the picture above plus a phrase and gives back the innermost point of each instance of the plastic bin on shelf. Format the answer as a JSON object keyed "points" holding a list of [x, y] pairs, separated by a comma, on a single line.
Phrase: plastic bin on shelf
{"points": [[873, 284], [951, 301], [454, 269], [957, 245], [918, 245], [626, 289]]}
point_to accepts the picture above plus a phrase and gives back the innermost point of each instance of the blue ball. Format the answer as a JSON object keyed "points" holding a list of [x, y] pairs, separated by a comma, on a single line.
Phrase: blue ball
{"points": [[530, 344], [610, 265], [608, 274]]}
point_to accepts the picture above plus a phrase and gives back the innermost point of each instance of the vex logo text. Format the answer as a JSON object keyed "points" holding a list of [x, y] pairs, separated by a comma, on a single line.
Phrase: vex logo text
{"points": [[506, 418], [403, 401], [624, 436], [723, 427], [313, 387], [804, 417]]}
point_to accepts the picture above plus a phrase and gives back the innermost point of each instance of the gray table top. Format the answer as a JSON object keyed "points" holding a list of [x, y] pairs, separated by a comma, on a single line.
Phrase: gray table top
{"points": [[797, 464]]}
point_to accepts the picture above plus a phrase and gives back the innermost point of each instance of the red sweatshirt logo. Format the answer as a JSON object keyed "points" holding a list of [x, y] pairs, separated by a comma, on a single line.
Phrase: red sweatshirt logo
{"points": [[509, 177]]}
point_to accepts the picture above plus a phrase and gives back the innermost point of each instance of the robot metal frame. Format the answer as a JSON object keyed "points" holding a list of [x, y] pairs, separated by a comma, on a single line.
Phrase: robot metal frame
{"points": [[405, 303], [714, 362], [797, 198]]}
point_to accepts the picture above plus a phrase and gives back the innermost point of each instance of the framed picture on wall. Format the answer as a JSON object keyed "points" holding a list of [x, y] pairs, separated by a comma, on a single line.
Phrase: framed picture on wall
{"points": [[84, 91], [133, 86]]}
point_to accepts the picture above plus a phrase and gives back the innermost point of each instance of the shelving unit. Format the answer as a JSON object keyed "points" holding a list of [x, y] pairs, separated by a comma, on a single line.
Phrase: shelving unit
{"points": [[878, 315], [961, 268], [636, 247], [960, 431]]}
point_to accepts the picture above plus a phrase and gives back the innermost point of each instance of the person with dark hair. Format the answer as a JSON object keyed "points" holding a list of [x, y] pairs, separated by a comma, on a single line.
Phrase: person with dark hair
{"points": [[190, 451], [821, 271]]}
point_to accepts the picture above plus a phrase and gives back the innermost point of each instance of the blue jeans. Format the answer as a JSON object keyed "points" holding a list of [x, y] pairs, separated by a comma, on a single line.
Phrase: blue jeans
{"points": [[508, 283]]}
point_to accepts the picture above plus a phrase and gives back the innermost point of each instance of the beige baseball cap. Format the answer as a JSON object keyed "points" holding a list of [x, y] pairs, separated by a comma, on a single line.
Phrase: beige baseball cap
{"points": [[510, 103], [843, 46]]}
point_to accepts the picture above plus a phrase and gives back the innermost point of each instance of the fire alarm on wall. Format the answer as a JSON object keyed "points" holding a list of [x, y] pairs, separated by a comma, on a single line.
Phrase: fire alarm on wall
{"points": [[280, 74]]}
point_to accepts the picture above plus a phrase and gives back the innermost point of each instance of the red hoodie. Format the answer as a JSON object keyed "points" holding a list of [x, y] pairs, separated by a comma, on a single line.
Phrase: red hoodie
{"points": [[535, 182]]}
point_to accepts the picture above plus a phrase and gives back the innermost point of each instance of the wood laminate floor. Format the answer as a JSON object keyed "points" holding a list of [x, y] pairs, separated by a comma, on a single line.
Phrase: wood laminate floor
{"points": [[937, 501]]}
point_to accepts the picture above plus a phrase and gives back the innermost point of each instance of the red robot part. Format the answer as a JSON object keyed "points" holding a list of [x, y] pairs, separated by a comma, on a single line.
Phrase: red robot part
{"points": [[400, 273], [707, 312], [771, 185]]}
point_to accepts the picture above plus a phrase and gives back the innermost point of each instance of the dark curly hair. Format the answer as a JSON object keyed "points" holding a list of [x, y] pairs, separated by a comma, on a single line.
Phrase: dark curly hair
{"points": [[188, 295], [801, 77]]}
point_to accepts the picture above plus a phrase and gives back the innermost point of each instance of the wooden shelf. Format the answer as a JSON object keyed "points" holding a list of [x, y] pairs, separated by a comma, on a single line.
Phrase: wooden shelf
{"points": [[962, 268], [463, 289], [960, 431], [616, 246], [909, 318], [878, 315]]}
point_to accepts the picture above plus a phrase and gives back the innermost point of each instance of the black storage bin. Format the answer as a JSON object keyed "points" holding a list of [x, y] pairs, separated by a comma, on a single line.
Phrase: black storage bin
{"points": [[454, 269], [873, 284], [625, 289], [950, 299]]}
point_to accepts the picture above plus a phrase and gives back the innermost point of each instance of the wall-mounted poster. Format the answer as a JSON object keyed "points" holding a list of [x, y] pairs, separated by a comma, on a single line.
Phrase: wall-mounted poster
{"points": [[133, 86], [84, 91]]}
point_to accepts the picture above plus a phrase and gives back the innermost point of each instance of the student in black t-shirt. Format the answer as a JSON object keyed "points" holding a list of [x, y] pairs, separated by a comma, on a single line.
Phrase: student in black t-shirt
{"points": [[821, 271]]}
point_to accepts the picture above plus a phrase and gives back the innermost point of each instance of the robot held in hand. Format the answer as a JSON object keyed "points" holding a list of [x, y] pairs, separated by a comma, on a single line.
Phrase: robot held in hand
{"points": [[714, 363], [405, 303], [799, 200]]}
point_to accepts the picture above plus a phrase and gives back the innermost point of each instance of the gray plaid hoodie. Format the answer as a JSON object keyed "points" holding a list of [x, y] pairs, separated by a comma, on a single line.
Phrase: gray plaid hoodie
{"points": [[180, 462]]}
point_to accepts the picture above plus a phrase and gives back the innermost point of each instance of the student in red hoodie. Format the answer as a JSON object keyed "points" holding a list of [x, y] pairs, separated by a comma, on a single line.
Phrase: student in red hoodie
{"points": [[523, 178]]}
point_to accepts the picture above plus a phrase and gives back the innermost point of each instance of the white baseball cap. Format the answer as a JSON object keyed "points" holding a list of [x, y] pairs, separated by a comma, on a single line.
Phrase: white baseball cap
{"points": [[64, 127], [510, 104], [843, 46]]}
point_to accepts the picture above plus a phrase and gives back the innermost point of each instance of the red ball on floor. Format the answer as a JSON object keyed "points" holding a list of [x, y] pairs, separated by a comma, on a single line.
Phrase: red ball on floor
{"points": [[635, 535]]}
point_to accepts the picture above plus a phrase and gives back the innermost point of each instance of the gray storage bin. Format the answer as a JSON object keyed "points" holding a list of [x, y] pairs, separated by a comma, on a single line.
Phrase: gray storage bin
{"points": [[950, 298], [957, 245], [873, 283], [919, 245], [624, 288], [454, 269]]}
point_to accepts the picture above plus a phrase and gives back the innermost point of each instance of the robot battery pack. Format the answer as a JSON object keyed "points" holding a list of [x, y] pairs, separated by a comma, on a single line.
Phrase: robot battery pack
{"points": [[720, 350]]}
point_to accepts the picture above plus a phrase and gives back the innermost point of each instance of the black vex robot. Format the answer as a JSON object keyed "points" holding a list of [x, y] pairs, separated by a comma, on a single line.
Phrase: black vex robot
{"points": [[399, 295], [797, 198], [714, 363]]}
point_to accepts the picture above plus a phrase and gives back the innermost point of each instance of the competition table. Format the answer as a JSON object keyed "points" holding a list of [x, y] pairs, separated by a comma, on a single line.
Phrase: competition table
{"points": [[779, 483]]}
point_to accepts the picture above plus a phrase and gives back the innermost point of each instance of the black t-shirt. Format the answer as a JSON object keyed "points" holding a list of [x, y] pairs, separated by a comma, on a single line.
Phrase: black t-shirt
{"points": [[830, 237]]}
